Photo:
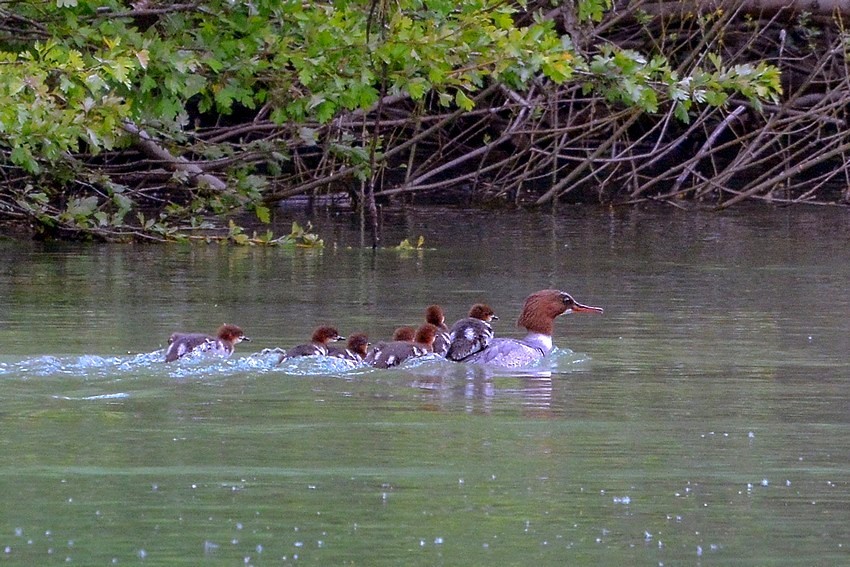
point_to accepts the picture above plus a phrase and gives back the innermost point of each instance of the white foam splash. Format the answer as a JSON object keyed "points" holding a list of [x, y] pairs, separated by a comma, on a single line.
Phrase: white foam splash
{"points": [[115, 396]]}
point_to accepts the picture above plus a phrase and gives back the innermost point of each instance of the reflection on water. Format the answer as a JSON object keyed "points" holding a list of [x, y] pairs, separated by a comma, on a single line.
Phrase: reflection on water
{"points": [[703, 419]]}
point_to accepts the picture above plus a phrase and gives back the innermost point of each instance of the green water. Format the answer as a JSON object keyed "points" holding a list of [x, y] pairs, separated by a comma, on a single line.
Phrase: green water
{"points": [[703, 419]]}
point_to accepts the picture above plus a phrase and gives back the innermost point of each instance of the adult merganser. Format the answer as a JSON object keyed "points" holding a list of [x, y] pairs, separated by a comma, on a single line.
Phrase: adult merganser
{"points": [[434, 315], [318, 344], [538, 317], [471, 334], [393, 353], [182, 344], [358, 345]]}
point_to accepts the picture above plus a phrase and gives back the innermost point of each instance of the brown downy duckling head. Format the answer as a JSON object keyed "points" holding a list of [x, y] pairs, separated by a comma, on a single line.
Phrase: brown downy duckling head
{"points": [[434, 315], [358, 343], [404, 334], [229, 333], [323, 335], [425, 334], [482, 311]]}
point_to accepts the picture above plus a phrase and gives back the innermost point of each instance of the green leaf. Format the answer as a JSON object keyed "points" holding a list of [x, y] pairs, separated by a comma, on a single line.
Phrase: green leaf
{"points": [[22, 156], [681, 112], [325, 111], [263, 214], [123, 202], [82, 207], [464, 101], [417, 88]]}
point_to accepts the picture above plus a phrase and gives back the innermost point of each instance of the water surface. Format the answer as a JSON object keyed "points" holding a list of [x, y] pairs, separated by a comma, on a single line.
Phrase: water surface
{"points": [[703, 419]]}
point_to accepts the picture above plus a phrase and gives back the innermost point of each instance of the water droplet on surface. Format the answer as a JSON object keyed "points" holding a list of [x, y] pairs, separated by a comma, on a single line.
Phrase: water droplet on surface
{"points": [[210, 547]]}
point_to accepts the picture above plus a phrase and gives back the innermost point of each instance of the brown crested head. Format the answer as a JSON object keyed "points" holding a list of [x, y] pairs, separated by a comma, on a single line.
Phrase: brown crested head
{"points": [[426, 334], [434, 315], [231, 334], [323, 335], [404, 334], [482, 311], [541, 308], [359, 343]]}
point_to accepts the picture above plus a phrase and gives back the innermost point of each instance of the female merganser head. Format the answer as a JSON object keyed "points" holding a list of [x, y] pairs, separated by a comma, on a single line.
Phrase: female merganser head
{"points": [[393, 353], [538, 318], [471, 334], [182, 344], [434, 315], [318, 344], [358, 346]]}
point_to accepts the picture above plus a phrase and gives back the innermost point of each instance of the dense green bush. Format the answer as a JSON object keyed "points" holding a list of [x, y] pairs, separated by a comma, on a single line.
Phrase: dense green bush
{"points": [[143, 120]]}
